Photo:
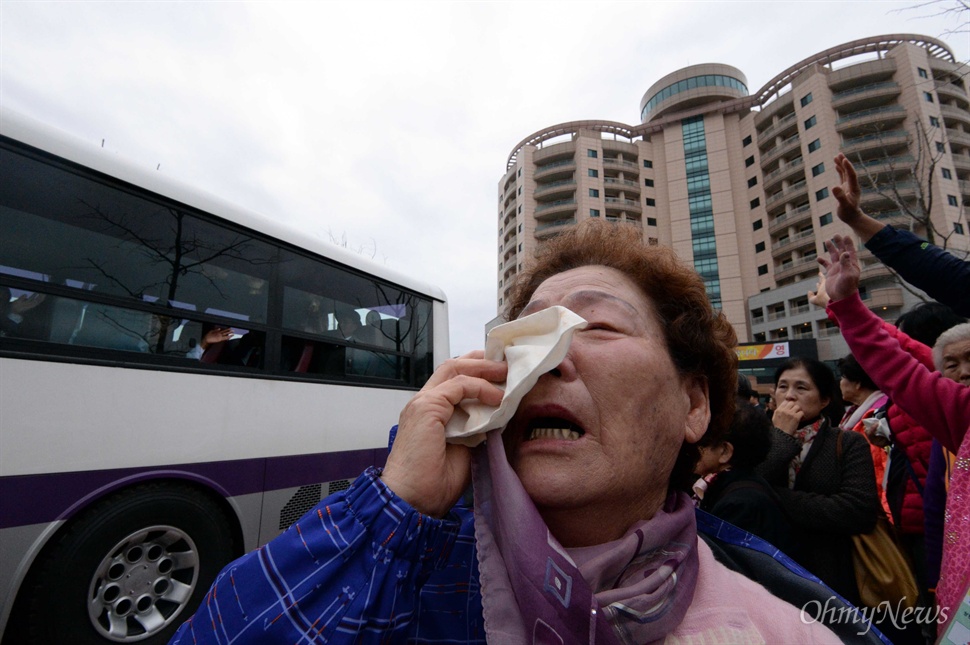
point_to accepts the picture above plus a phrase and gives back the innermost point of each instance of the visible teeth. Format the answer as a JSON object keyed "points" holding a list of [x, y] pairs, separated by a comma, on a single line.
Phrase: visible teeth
{"points": [[554, 433]]}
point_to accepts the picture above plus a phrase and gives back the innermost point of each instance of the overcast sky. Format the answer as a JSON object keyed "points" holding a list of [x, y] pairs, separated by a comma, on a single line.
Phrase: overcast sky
{"points": [[387, 123]]}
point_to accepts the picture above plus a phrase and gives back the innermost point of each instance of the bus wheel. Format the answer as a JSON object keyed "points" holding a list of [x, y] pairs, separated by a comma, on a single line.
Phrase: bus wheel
{"points": [[131, 569]]}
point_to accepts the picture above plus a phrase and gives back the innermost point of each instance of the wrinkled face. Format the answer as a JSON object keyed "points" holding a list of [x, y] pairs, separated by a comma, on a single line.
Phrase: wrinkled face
{"points": [[956, 361], [796, 385], [604, 429]]}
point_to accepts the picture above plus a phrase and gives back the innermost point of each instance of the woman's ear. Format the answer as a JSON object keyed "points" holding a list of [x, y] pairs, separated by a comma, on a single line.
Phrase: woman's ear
{"points": [[699, 414], [727, 451]]}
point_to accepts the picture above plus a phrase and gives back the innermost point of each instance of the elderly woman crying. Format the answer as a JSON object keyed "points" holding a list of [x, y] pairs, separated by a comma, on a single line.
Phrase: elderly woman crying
{"points": [[581, 529]]}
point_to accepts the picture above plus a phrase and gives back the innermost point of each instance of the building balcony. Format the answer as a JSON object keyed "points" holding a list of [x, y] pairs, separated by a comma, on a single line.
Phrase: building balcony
{"points": [[623, 147], [796, 190], [772, 179], [510, 209], [878, 299], [964, 187], [621, 163], [866, 96], [781, 106], [509, 192], [889, 192], [554, 152], [553, 227], [757, 320], [791, 218], [899, 164], [803, 240], [626, 184], [857, 122], [952, 113], [553, 208], [952, 91], [801, 266], [956, 138], [618, 204], [777, 315], [961, 162], [782, 127], [866, 72], [880, 141], [895, 218], [550, 170], [786, 146], [561, 187]]}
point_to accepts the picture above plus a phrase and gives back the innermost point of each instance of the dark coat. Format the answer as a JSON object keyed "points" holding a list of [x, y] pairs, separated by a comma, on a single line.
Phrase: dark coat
{"points": [[832, 499], [746, 500]]}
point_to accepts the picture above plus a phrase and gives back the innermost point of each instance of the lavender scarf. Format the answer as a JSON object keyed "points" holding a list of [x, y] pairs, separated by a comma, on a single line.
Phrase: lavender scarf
{"points": [[634, 590]]}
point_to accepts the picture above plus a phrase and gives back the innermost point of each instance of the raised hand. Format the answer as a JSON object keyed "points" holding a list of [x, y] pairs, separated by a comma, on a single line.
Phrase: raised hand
{"points": [[787, 416], [422, 469], [848, 194], [841, 268], [819, 297]]}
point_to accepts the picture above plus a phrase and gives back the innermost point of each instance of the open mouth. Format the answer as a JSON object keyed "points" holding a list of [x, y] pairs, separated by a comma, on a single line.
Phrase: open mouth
{"points": [[553, 428]]}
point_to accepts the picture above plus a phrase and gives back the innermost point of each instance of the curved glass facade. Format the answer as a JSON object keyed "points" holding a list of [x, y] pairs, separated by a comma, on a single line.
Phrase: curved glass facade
{"points": [[708, 80]]}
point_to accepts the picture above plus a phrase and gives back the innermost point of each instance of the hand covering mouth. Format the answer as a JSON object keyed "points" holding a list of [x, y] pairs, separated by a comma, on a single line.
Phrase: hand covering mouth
{"points": [[553, 428]]}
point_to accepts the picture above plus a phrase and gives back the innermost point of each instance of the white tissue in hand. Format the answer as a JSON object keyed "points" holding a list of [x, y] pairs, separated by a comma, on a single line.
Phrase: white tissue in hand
{"points": [[531, 346]]}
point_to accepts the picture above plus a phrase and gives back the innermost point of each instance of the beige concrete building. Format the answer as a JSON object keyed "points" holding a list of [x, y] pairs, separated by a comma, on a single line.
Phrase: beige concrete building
{"points": [[739, 182]]}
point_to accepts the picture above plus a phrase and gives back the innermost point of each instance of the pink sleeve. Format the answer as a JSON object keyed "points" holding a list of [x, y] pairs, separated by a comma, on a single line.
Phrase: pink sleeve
{"points": [[938, 404], [914, 348]]}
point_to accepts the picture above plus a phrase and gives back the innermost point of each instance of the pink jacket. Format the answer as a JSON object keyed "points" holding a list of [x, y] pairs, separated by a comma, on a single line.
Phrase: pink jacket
{"points": [[914, 439], [938, 404]]}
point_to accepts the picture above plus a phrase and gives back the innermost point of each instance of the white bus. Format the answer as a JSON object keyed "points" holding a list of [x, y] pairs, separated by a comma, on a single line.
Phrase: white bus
{"points": [[180, 380]]}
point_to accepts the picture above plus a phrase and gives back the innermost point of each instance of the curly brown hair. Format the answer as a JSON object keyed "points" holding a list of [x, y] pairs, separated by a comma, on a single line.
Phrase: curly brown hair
{"points": [[700, 340]]}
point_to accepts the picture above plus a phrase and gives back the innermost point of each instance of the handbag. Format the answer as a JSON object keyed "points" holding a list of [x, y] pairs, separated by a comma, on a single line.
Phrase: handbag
{"points": [[882, 572]]}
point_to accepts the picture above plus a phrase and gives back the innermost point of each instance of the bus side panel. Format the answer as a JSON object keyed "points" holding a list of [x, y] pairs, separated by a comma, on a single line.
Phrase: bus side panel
{"points": [[19, 545]]}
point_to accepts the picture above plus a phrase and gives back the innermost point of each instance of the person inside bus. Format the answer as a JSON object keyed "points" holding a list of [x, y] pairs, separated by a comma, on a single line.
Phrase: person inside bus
{"points": [[591, 533], [14, 311]]}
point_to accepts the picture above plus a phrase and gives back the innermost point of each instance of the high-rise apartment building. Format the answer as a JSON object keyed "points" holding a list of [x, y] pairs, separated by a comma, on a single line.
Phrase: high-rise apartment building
{"points": [[739, 183]]}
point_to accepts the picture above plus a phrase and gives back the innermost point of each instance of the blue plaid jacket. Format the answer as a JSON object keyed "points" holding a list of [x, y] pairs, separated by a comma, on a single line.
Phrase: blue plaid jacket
{"points": [[361, 567]]}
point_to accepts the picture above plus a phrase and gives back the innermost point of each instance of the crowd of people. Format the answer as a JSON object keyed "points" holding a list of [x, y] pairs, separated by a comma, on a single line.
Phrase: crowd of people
{"points": [[582, 527]]}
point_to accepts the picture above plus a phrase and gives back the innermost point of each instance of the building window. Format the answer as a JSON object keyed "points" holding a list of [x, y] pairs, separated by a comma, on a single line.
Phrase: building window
{"points": [[756, 202], [594, 212], [752, 182], [757, 225], [951, 200], [809, 122], [648, 183], [922, 72], [520, 228], [647, 163], [593, 172], [592, 153], [759, 247], [500, 302], [818, 170], [520, 246], [825, 219], [520, 190], [651, 221], [763, 269], [651, 201], [746, 141], [928, 96], [520, 208], [520, 172], [946, 173], [940, 147], [749, 161], [821, 194], [934, 122], [806, 99], [814, 145], [958, 228], [594, 192]]}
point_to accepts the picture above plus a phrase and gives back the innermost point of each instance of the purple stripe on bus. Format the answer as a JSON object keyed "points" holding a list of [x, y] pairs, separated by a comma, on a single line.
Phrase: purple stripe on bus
{"points": [[33, 499]]}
